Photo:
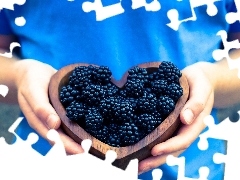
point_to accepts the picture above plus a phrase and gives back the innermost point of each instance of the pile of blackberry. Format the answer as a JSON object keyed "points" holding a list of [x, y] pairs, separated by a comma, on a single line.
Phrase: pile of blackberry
{"points": [[123, 116]]}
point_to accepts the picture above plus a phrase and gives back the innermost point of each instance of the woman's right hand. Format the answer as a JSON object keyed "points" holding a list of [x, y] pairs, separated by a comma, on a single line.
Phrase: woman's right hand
{"points": [[32, 81]]}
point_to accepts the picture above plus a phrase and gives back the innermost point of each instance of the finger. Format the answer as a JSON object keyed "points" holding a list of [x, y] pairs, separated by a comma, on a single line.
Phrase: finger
{"points": [[174, 146], [186, 134], [70, 145], [38, 100], [154, 162], [33, 121], [197, 98]]}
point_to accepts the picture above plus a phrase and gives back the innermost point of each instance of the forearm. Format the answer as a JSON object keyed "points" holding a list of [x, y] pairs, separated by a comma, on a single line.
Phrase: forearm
{"points": [[225, 81]]}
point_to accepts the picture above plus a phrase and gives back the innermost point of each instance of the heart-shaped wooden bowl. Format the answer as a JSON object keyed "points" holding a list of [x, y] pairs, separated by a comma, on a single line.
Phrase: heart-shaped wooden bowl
{"points": [[141, 149]]}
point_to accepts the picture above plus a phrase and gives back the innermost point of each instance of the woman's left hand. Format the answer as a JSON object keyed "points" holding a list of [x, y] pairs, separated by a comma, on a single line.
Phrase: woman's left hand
{"points": [[198, 106]]}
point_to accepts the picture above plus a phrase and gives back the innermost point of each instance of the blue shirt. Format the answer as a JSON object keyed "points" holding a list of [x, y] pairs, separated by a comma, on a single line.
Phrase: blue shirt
{"points": [[65, 32]]}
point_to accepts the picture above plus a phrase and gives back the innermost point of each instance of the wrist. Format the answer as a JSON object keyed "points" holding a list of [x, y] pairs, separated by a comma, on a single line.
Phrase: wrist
{"points": [[29, 67], [211, 71]]}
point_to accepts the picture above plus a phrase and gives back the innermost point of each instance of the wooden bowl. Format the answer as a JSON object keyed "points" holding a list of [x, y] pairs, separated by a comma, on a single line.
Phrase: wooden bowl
{"points": [[140, 150]]}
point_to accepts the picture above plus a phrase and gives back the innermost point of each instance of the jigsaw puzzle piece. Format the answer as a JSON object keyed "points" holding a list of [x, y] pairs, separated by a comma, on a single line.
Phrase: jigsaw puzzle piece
{"points": [[157, 174], [173, 14], [3, 90], [232, 17], [180, 162], [231, 135], [58, 149], [9, 4], [153, 6], [231, 161], [102, 12], [224, 53]]}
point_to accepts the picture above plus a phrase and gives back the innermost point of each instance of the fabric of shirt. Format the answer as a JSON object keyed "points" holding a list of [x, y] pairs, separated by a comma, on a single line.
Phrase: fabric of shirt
{"points": [[60, 33]]}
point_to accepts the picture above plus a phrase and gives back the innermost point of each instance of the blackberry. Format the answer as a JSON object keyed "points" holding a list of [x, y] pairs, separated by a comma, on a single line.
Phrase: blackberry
{"points": [[93, 120], [102, 74], [165, 105], [68, 94], [123, 111], [170, 72], [137, 73], [174, 91], [106, 108], [81, 77], [110, 90], [113, 140], [92, 94], [147, 122], [75, 111], [134, 88], [159, 87], [147, 103], [129, 134]]}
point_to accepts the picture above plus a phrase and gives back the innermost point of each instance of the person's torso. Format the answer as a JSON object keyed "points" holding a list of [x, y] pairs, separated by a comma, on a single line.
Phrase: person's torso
{"points": [[119, 34]]}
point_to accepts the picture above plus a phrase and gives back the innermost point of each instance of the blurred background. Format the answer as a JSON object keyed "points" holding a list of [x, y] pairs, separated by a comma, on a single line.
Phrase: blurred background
{"points": [[9, 113]]}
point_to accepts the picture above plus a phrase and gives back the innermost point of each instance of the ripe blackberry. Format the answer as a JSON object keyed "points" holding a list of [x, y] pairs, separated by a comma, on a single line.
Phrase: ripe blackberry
{"points": [[93, 119], [129, 134], [68, 94], [147, 103], [102, 74], [106, 108], [81, 76], [159, 87], [174, 91], [76, 111], [170, 72], [123, 111], [134, 88], [92, 94], [137, 73], [113, 140], [110, 90], [165, 105], [147, 122]]}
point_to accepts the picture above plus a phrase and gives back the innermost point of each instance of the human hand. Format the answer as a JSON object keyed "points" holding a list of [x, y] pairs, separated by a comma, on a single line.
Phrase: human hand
{"points": [[198, 106], [32, 84]]}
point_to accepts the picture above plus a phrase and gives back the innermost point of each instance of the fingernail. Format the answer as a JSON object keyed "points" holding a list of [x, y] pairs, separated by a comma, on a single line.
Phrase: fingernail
{"points": [[157, 154], [52, 121], [188, 116]]}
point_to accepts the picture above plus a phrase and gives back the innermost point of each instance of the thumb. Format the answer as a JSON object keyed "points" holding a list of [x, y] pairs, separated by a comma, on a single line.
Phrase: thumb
{"points": [[49, 118], [198, 98]]}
